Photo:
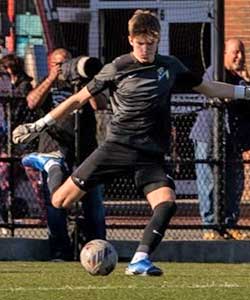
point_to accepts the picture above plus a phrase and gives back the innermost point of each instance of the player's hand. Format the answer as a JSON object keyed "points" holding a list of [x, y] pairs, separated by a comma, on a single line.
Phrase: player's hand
{"points": [[25, 133]]}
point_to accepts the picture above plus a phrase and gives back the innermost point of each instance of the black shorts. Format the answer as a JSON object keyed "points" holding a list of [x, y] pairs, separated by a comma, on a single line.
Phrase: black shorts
{"points": [[112, 160]]}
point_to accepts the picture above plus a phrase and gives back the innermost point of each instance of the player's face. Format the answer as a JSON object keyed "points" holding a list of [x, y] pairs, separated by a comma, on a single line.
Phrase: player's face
{"points": [[144, 48]]}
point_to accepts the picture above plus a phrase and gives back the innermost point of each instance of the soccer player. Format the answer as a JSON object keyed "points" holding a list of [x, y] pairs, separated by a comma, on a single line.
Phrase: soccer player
{"points": [[139, 132]]}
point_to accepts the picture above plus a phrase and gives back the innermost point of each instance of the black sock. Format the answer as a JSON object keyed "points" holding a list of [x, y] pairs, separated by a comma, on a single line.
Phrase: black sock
{"points": [[56, 176], [155, 230]]}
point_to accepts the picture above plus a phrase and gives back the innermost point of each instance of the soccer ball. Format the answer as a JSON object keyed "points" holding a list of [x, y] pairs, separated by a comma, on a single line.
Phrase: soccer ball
{"points": [[98, 257]]}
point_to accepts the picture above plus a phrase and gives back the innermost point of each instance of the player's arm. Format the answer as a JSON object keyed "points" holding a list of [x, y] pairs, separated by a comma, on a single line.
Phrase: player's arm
{"points": [[72, 103], [208, 87], [99, 102], [222, 90], [27, 132]]}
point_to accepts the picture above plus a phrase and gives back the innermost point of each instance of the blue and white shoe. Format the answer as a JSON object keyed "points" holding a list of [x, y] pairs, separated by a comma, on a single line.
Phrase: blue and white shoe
{"points": [[143, 267], [39, 160]]}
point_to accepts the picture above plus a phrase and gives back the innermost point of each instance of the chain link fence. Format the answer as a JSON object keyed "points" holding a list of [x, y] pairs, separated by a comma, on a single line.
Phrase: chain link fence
{"points": [[23, 212], [99, 29]]}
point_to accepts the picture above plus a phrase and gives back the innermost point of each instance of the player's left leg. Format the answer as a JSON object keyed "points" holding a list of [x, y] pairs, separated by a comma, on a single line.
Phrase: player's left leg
{"points": [[159, 190], [164, 207]]}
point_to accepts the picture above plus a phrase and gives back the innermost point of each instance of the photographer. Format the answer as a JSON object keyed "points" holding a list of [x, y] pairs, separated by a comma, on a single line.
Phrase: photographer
{"points": [[59, 143]]}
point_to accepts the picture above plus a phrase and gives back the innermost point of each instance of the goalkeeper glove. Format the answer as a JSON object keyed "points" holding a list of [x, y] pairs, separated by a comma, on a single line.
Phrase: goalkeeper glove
{"points": [[25, 133]]}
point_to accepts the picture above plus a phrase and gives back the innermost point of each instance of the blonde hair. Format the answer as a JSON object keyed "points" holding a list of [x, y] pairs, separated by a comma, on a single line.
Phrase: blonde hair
{"points": [[65, 54], [62, 52], [144, 22]]}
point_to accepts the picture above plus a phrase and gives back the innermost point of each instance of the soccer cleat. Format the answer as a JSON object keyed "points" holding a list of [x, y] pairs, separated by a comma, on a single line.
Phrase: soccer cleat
{"points": [[143, 267], [39, 160]]}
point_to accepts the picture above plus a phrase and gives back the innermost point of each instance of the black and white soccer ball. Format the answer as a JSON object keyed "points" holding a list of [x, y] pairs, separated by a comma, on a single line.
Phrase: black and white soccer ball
{"points": [[98, 257]]}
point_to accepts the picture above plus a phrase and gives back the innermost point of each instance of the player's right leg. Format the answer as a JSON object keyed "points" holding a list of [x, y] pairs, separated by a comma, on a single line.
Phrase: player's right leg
{"points": [[82, 179], [107, 161]]}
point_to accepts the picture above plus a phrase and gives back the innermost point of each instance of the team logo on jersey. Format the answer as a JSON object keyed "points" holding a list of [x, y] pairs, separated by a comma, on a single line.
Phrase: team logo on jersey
{"points": [[162, 73]]}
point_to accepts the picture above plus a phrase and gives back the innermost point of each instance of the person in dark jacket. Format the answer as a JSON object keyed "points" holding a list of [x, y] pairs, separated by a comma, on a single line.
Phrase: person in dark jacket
{"points": [[15, 84], [237, 126]]}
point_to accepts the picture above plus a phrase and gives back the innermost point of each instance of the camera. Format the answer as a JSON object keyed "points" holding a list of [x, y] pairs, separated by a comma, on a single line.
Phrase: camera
{"points": [[81, 68]]}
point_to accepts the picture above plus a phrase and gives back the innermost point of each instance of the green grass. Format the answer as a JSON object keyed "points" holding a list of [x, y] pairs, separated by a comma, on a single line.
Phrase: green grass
{"points": [[56, 281]]}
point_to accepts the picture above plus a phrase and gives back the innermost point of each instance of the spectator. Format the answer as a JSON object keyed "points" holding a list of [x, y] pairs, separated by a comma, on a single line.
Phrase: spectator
{"points": [[59, 142], [12, 67], [3, 50], [15, 84], [238, 126]]}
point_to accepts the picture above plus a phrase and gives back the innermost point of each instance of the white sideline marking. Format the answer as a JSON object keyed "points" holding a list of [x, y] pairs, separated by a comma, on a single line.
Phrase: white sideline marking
{"points": [[109, 287]]}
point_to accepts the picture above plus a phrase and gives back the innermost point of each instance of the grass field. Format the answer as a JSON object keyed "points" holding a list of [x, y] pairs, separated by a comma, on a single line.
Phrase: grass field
{"points": [[56, 281]]}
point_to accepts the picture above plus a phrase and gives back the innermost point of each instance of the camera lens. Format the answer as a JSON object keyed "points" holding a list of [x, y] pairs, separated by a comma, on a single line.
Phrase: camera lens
{"points": [[88, 67]]}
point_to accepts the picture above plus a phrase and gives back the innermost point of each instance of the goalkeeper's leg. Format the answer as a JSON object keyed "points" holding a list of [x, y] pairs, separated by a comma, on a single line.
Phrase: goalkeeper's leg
{"points": [[162, 201]]}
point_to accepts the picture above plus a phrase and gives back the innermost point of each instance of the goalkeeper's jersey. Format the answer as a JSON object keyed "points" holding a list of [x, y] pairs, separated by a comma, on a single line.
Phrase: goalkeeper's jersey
{"points": [[141, 99]]}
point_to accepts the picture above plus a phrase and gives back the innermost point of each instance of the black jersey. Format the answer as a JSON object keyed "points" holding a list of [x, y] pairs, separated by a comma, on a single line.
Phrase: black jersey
{"points": [[141, 99]]}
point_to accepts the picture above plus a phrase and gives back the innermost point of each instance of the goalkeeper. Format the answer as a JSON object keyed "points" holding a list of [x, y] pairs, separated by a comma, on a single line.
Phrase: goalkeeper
{"points": [[139, 132]]}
